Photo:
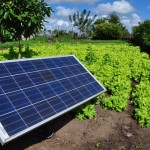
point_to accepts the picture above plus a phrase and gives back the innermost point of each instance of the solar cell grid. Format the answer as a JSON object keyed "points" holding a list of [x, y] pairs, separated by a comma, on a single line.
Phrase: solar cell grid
{"points": [[58, 73], [46, 90], [49, 63], [57, 104], [1, 92], [67, 84], [14, 68], [74, 80], [23, 81], [5, 105], [27, 66], [85, 92], [58, 62], [45, 109], [47, 75], [57, 87], [76, 95], [33, 95], [38, 64], [36, 78], [35, 90], [66, 61], [66, 71], [30, 116], [18, 99], [13, 123], [3, 71]]}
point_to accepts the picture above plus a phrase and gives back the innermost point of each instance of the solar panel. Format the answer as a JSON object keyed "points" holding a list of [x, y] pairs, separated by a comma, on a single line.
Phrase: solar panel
{"points": [[35, 91]]}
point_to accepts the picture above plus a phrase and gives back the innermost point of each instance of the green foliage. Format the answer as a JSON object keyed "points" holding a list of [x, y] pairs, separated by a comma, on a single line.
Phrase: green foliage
{"points": [[141, 99], [86, 111], [12, 53], [37, 40], [97, 145], [83, 21], [116, 66], [100, 20], [110, 28], [107, 31], [90, 57], [29, 53], [23, 18], [141, 35], [113, 18], [118, 103], [25, 21], [5, 35]]}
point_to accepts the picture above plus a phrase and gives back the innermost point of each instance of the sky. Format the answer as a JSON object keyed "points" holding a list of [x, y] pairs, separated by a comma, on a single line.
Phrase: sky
{"points": [[131, 12]]}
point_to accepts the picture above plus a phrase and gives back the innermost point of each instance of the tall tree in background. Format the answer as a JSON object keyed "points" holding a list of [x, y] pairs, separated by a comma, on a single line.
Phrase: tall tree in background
{"points": [[113, 18], [23, 17], [100, 20], [110, 27], [141, 35], [83, 21]]}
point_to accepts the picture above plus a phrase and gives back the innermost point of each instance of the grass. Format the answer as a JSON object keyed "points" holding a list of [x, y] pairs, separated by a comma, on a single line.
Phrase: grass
{"points": [[65, 39], [34, 41], [69, 39]]}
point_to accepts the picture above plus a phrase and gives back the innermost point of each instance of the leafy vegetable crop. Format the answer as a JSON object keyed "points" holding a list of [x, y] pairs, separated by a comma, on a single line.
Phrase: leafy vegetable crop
{"points": [[116, 66]]}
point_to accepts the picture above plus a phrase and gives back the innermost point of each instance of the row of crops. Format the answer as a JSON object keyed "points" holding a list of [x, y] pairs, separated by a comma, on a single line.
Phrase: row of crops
{"points": [[121, 68]]}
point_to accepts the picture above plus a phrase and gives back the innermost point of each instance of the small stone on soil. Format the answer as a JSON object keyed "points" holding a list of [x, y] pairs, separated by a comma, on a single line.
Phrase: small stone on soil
{"points": [[129, 135]]}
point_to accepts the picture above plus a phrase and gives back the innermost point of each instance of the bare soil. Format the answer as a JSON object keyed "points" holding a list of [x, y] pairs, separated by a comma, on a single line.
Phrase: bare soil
{"points": [[110, 130], [1, 48]]}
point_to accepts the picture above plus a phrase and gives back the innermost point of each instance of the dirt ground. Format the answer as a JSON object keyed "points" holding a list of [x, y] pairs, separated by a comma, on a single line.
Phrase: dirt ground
{"points": [[110, 130]]}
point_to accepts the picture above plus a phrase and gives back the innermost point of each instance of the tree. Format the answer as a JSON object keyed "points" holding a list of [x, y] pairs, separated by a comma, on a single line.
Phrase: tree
{"points": [[100, 20], [113, 18], [107, 31], [142, 32], [111, 21], [83, 21], [23, 18]]}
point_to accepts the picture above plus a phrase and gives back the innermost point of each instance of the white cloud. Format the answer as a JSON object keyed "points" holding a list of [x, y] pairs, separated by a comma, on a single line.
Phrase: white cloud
{"points": [[131, 21], [71, 1], [121, 7], [62, 23], [64, 12], [56, 23]]}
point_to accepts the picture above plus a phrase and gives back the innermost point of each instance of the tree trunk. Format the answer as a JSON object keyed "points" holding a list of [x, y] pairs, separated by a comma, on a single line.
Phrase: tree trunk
{"points": [[19, 54], [72, 32]]}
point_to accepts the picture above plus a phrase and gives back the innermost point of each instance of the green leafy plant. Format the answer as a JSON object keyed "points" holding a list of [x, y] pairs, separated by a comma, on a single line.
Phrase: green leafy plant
{"points": [[12, 53], [97, 145], [86, 111], [115, 64], [90, 57], [141, 99]]}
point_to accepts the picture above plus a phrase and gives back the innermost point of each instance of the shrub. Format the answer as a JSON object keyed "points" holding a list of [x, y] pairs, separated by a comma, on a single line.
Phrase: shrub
{"points": [[141, 34], [107, 31]]}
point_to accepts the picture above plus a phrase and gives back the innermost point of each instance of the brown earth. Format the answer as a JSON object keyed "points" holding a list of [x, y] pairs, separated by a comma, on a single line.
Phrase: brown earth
{"points": [[110, 130], [1, 48]]}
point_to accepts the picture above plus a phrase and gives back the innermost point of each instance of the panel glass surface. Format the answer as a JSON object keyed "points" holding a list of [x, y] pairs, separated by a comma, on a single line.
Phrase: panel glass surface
{"points": [[35, 91]]}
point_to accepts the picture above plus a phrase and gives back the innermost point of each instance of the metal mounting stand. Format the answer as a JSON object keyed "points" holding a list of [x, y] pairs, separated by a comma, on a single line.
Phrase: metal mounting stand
{"points": [[48, 130]]}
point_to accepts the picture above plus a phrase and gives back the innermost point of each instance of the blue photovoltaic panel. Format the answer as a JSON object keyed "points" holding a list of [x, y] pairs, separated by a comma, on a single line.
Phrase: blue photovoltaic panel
{"points": [[35, 91]]}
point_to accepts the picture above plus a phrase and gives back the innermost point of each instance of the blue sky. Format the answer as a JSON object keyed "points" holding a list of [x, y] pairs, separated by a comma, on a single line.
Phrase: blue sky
{"points": [[131, 12]]}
